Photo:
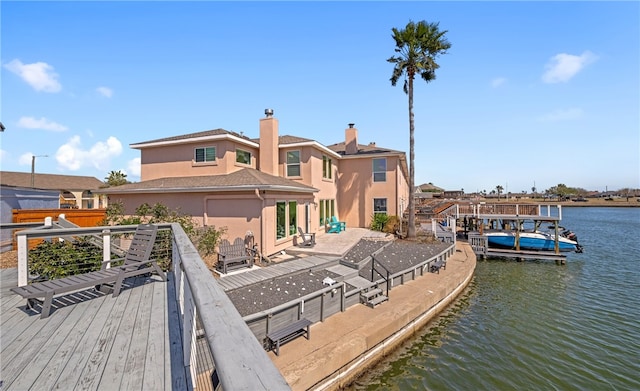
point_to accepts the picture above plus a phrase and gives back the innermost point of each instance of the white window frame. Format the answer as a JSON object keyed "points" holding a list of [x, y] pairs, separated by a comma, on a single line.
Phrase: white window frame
{"points": [[204, 154], [376, 209], [290, 165], [243, 151], [384, 172]]}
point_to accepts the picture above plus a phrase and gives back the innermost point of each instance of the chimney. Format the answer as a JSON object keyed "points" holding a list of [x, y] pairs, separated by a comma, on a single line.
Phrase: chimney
{"points": [[269, 152], [351, 140]]}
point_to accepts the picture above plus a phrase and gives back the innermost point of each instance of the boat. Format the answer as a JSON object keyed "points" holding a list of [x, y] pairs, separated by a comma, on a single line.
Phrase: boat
{"points": [[537, 241]]}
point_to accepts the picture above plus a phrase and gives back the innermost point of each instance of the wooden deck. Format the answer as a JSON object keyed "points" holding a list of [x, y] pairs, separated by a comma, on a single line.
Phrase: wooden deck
{"points": [[93, 341], [248, 277]]}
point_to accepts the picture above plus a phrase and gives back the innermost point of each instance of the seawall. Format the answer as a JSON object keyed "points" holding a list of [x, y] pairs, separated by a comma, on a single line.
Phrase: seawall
{"points": [[347, 344]]}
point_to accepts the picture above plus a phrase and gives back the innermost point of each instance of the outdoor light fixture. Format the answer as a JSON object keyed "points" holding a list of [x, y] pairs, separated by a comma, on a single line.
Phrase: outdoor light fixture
{"points": [[268, 112]]}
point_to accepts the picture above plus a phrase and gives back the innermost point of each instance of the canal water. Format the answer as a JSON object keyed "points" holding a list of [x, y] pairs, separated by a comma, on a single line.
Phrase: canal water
{"points": [[535, 325]]}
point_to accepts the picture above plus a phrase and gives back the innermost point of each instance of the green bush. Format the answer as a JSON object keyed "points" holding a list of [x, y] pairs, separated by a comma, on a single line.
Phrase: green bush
{"points": [[378, 221], [207, 238], [51, 260]]}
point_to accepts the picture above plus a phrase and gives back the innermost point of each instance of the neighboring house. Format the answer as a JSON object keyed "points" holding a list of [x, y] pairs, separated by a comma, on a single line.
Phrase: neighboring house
{"points": [[12, 197], [269, 185], [74, 191]]}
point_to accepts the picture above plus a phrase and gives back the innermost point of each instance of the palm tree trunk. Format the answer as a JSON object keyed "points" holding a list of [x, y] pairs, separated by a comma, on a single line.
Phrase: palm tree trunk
{"points": [[411, 233]]}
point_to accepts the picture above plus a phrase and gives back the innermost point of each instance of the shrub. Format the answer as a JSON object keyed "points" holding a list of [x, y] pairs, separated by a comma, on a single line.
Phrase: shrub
{"points": [[51, 260], [378, 221], [207, 238]]}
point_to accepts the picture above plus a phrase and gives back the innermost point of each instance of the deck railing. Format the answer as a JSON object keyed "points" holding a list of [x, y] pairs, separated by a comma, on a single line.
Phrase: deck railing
{"points": [[331, 300], [219, 349]]}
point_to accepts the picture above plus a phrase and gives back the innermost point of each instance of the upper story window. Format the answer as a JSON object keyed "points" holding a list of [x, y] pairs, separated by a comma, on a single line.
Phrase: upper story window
{"points": [[243, 157], [293, 163], [380, 170], [326, 167], [207, 154]]}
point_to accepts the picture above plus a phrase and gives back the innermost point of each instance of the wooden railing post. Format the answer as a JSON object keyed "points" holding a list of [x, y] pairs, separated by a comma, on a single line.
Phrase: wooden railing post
{"points": [[106, 247], [23, 252]]}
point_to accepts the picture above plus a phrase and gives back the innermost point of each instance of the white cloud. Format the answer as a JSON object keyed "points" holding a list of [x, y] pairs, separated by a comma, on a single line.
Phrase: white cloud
{"points": [[38, 75], [134, 167], [72, 156], [42, 123], [563, 115], [105, 91], [498, 81], [562, 67], [25, 159]]}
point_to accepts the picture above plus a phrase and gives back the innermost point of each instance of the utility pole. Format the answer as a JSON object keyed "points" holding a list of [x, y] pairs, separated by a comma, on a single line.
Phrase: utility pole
{"points": [[33, 168]]}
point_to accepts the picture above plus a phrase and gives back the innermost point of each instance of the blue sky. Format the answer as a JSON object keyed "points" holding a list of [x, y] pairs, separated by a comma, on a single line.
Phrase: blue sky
{"points": [[530, 93]]}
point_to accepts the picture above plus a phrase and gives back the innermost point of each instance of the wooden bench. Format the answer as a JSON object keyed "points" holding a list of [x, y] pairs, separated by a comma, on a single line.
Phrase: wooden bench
{"points": [[288, 333], [435, 266], [233, 256]]}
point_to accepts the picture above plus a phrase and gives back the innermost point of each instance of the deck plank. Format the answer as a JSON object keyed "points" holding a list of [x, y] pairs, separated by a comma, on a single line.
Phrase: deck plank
{"points": [[122, 339], [53, 348], [155, 355], [87, 340], [133, 374]]}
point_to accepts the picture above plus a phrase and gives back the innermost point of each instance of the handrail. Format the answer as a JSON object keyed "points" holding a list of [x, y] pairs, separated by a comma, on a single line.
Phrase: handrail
{"points": [[240, 362], [386, 278]]}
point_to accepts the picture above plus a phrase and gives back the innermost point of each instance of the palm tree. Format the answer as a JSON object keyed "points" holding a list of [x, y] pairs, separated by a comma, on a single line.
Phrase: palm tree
{"points": [[499, 190], [116, 178], [417, 47]]}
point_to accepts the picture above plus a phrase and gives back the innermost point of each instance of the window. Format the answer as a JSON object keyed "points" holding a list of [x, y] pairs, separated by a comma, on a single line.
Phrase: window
{"points": [[286, 219], [379, 170], [293, 218], [380, 206], [327, 209], [207, 154], [326, 167], [243, 157], [293, 163], [281, 220]]}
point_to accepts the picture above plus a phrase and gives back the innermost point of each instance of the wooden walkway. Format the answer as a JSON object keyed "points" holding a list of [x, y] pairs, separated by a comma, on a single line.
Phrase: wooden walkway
{"points": [[93, 341], [243, 278]]}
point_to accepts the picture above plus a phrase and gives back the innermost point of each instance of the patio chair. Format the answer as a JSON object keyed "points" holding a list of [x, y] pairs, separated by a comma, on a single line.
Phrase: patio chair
{"points": [[341, 224], [136, 262], [308, 239]]}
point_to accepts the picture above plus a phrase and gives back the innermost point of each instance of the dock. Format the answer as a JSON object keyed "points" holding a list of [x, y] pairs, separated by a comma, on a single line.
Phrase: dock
{"points": [[477, 219]]}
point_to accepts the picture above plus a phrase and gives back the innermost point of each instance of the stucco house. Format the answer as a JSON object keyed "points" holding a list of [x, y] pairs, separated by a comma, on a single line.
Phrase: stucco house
{"points": [[269, 185]]}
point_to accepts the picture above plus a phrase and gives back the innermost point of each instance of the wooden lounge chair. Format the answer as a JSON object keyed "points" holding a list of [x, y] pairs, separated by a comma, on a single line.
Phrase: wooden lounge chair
{"points": [[136, 262], [308, 240]]}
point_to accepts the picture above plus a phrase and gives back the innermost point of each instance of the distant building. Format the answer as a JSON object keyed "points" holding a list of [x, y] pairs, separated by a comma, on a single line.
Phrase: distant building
{"points": [[74, 191]]}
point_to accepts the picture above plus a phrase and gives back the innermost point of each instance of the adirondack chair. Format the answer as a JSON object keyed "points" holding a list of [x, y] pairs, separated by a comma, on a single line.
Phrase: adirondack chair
{"points": [[233, 256], [336, 226], [136, 262], [308, 240]]}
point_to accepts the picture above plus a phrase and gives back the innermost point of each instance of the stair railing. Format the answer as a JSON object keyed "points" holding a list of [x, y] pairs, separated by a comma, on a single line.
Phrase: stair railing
{"points": [[385, 273]]}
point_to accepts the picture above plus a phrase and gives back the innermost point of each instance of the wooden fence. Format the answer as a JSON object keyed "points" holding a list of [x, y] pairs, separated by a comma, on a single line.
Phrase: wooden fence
{"points": [[80, 217]]}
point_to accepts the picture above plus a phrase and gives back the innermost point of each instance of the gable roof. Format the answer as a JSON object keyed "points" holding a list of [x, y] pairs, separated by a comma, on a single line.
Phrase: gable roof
{"points": [[215, 134], [246, 179], [50, 181]]}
